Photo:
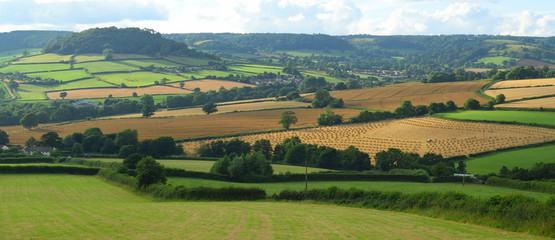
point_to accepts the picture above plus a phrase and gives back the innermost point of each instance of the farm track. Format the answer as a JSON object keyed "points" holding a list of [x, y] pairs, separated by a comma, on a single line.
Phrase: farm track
{"points": [[420, 135]]}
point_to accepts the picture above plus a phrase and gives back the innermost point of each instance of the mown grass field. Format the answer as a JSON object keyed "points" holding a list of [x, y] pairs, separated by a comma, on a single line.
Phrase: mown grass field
{"points": [[63, 76], [418, 135], [85, 207], [522, 158], [477, 190], [106, 66], [204, 166], [526, 117], [391, 96], [28, 68], [138, 79]]}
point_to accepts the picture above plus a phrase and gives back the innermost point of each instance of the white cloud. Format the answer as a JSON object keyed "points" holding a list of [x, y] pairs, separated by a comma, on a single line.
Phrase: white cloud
{"points": [[297, 18]]}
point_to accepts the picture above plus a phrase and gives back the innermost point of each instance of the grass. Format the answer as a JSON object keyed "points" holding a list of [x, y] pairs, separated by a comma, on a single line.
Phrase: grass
{"points": [[330, 53], [204, 166], [322, 74], [84, 207], [105, 66], [63, 76], [44, 58], [477, 190], [28, 68], [496, 60], [88, 58], [523, 158], [527, 117], [148, 62], [36, 92], [254, 69], [204, 73], [137, 79], [188, 61]]}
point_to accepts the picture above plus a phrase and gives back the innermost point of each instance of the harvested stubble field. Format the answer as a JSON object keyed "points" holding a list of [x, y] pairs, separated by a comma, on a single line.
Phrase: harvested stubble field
{"points": [[180, 127], [548, 102], [239, 107], [84, 207], [211, 84], [520, 93], [419, 135], [116, 92], [524, 83], [391, 96]]}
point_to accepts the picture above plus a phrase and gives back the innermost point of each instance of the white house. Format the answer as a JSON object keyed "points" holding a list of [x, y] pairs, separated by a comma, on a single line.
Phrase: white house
{"points": [[46, 151]]}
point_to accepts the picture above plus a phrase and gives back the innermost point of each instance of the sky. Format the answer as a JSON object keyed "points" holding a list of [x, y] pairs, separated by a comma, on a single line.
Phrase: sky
{"points": [[334, 17]]}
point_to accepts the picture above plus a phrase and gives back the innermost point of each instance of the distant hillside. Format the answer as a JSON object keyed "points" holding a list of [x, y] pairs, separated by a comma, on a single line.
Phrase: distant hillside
{"points": [[28, 39], [120, 40], [266, 41]]}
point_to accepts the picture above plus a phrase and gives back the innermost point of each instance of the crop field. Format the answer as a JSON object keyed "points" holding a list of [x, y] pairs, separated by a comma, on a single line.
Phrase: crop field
{"points": [[522, 158], [188, 61], [520, 93], [204, 166], [239, 107], [546, 118], [106, 66], [419, 135], [44, 58], [496, 60], [476, 190], [180, 127], [206, 85], [391, 96], [34, 92], [524, 83], [116, 92], [29, 68], [548, 102], [63, 76], [138, 79], [84, 207]]}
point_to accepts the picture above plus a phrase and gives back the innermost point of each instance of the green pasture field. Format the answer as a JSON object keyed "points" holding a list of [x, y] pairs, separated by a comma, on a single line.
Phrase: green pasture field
{"points": [[5, 91], [308, 53], [522, 158], [63, 76], [19, 52], [44, 58], [322, 74], [27, 68], [56, 206], [36, 92], [120, 56], [88, 58], [500, 41], [5, 59], [189, 61], [204, 166], [138, 79], [496, 60], [254, 69], [526, 117], [202, 74], [477, 190], [148, 62], [105, 66]]}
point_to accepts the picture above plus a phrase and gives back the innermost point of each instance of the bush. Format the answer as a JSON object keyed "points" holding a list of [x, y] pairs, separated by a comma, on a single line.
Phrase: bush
{"points": [[537, 186], [26, 159], [48, 169]]}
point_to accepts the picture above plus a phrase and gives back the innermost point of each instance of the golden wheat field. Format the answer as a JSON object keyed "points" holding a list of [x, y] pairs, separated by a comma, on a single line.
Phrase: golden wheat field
{"points": [[231, 107], [180, 127], [520, 93], [420, 135], [211, 84], [524, 83], [391, 96], [116, 92], [548, 102]]}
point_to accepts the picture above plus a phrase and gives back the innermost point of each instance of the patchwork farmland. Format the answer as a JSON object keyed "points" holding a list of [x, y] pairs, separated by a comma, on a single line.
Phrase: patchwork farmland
{"points": [[419, 135], [391, 96], [524, 83], [520, 93], [548, 102]]}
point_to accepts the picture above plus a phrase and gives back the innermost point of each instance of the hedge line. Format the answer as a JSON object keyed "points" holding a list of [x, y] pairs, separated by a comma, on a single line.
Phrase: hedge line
{"points": [[330, 176], [511, 212], [92, 163], [184, 193], [39, 159], [48, 169], [536, 186]]}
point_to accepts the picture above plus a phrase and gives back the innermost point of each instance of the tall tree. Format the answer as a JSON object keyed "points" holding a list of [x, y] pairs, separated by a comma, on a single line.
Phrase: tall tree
{"points": [[63, 95], [148, 105], [29, 121], [287, 119], [210, 107], [4, 137], [150, 172]]}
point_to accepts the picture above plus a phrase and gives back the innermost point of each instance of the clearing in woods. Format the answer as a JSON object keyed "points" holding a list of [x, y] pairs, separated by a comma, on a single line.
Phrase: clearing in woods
{"points": [[391, 96], [85, 207], [180, 127], [419, 135]]}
